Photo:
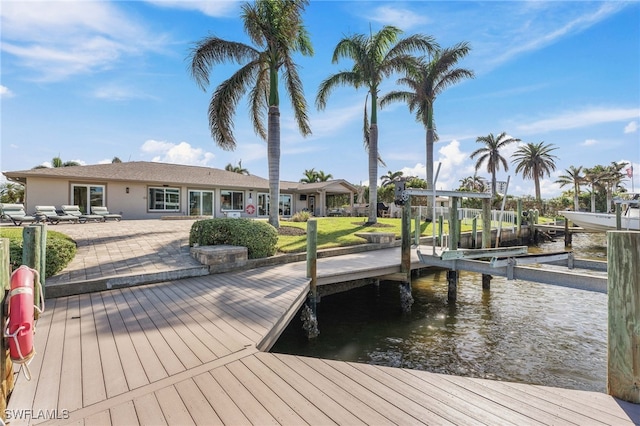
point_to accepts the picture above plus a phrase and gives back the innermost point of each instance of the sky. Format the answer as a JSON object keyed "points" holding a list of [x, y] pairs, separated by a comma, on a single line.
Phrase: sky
{"points": [[92, 80]]}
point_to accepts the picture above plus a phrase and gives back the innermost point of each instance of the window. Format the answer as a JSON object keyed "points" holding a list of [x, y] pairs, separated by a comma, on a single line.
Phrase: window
{"points": [[200, 203], [231, 200], [86, 196], [164, 199], [263, 204], [285, 205]]}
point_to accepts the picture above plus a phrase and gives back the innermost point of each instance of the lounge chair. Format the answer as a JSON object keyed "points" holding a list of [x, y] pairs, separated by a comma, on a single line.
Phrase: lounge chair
{"points": [[82, 218], [16, 213], [102, 211], [51, 215]]}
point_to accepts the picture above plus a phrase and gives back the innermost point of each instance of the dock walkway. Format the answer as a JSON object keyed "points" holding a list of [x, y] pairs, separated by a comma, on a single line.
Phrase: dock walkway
{"points": [[188, 352]]}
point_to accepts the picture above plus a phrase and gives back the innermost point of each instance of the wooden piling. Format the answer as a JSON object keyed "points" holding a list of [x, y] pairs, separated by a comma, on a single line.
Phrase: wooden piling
{"points": [[453, 224], [486, 237], [519, 220], [452, 285], [440, 229], [312, 261], [6, 366], [618, 217], [416, 223], [474, 232], [405, 260], [567, 234], [623, 264], [32, 257]]}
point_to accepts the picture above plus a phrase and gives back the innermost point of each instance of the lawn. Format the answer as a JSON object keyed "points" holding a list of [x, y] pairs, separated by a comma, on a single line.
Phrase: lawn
{"points": [[340, 231]]}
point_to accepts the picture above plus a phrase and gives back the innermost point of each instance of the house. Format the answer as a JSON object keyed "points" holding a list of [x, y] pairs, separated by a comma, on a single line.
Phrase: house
{"points": [[147, 190]]}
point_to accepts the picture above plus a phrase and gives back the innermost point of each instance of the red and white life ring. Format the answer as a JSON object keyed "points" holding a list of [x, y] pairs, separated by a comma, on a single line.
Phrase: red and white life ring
{"points": [[250, 209], [19, 328]]}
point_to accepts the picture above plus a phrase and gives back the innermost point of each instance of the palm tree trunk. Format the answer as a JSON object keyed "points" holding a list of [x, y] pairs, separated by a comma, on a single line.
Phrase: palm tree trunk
{"points": [[536, 182], [593, 199], [576, 198], [373, 173], [273, 157], [429, 167]]}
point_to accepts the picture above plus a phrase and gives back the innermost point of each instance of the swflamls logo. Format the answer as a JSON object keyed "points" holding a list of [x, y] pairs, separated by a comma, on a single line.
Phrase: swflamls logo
{"points": [[26, 414]]}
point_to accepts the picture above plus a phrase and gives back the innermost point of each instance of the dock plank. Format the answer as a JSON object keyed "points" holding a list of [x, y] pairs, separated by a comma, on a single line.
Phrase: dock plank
{"points": [[149, 411], [323, 399], [46, 396], [175, 412], [100, 419], [153, 368], [71, 376], [134, 373], [201, 411], [251, 407], [302, 406], [271, 401], [124, 414], [224, 406], [113, 371]]}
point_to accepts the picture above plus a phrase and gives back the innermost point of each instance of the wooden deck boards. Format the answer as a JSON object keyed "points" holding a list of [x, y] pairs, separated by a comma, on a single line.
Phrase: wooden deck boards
{"points": [[184, 352]]}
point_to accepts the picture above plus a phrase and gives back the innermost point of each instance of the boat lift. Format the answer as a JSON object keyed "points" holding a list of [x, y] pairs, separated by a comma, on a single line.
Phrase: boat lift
{"points": [[508, 262]]}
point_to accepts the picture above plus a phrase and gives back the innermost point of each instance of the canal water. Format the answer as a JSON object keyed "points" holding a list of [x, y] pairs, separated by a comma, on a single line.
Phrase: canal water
{"points": [[518, 331]]}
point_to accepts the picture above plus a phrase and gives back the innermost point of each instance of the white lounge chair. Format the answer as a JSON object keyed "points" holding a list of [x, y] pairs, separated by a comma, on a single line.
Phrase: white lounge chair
{"points": [[102, 211], [16, 214], [52, 216], [82, 218]]}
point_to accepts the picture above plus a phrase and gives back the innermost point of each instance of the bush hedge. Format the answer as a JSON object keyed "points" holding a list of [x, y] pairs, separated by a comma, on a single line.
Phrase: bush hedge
{"points": [[60, 250], [260, 238]]}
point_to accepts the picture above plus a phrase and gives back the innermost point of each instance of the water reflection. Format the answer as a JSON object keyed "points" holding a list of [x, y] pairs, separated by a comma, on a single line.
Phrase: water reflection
{"points": [[517, 331]]}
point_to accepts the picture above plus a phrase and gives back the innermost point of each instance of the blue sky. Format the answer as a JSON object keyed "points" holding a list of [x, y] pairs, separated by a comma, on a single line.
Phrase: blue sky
{"points": [[92, 80]]}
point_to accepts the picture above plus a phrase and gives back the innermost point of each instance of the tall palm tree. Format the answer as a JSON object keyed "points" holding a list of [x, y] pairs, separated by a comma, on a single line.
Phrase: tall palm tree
{"points": [[534, 161], [472, 184], [237, 169], [573, 177], [490, 154], [374, 58], [426, 82], [391, 177], [594, 178], [276, 29], [322, 177], [310, 176], [611, 180]]}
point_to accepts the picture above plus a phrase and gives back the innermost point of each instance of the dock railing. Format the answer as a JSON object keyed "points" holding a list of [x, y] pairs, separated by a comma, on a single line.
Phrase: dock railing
{"points": [[467, 215]]}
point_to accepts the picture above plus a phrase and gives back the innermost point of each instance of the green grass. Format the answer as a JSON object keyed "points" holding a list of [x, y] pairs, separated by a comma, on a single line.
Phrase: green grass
{"points": [[340, 232]]}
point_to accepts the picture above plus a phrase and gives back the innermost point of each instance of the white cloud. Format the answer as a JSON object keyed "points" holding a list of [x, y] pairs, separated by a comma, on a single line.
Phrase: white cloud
{"points": [[209, 8], [589, 142], [114, 92], [632, 127], [182, 153], [56, 40], [578, 119], [398, 17], [452, 160], [5, 92]]}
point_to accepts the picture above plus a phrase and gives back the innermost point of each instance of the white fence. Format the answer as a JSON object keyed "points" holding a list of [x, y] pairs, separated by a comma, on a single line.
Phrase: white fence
{"points": [[467, 215]]}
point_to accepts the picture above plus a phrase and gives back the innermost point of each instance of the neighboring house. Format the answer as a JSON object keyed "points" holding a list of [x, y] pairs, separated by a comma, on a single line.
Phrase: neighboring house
{"points": [[146, 190]]}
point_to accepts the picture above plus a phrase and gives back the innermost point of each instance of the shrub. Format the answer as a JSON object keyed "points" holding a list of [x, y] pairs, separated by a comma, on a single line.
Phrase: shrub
{"points": [[259, 238], [301, 216], [60, 251]]}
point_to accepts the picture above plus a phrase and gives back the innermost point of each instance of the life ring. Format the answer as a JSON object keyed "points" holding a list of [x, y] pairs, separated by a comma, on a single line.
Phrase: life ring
{"points": [[251, 209], [19, 327]]}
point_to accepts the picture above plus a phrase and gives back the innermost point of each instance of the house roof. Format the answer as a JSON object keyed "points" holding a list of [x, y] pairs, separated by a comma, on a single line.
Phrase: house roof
{"points": [[340, 186], [173, 174], [143, 171]]}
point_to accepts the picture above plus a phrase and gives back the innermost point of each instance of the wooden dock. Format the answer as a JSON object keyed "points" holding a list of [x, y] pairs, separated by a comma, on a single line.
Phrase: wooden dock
{"points": [[189, 352]]}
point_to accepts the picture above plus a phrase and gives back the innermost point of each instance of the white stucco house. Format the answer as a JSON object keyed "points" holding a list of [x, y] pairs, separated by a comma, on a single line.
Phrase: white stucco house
{"points": [[145, 190]]}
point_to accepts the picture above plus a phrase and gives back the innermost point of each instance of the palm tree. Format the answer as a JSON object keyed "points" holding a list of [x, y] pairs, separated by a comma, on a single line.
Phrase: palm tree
{"points": [[573, 177], [472, 184], [11, 192], [391, 177], [612, 178], [490, 154], [116, 160], [322, 177], [425, 84], [535, 161], [276, 28], [237, 169], [57, 162], [310, 176], [593, 177], [374, 58]]}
